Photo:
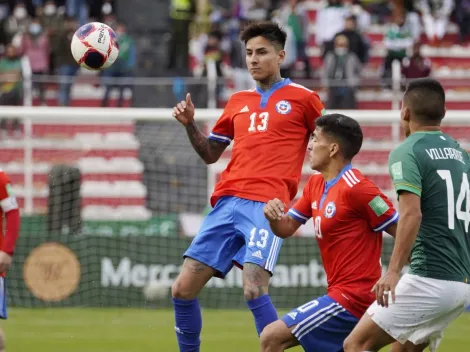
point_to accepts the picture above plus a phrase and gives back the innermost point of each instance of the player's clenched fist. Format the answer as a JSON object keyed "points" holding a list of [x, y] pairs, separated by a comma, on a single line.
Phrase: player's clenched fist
{"points": [[184, 111], [274, 210]]}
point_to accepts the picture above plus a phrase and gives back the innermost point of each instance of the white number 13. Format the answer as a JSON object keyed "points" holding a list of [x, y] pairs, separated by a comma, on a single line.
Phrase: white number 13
{"points": [[263, 240], [263, 126]]}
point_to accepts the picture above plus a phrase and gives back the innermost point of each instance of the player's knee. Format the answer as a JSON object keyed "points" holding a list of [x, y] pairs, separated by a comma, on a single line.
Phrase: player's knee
{"points": [[182, 289], [350, 345], [255, 281], [269, 337]]}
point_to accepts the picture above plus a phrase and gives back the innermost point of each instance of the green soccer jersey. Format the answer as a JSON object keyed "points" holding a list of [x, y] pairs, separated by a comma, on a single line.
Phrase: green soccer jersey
{"points": [[434, 166]]}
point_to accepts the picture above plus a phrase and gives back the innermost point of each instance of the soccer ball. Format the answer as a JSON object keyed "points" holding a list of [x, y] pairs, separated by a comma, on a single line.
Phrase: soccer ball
{"points": [[95, 46]]}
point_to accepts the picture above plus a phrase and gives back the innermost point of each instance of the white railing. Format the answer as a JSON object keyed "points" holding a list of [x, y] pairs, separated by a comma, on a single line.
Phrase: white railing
{"points": [[63, 116]]}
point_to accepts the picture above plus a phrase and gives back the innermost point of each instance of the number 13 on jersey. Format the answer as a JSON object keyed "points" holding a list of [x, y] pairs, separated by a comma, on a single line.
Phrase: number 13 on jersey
{"points": [[258, 122]]}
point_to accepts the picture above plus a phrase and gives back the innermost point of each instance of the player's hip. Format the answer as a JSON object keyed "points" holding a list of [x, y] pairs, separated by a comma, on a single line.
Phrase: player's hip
{"points": [[261, 192]]}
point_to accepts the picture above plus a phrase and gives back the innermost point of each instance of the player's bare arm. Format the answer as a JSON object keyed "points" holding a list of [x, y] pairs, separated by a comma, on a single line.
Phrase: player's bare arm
{"points": [[392, 230], [208, 149], [409, 205], [281, 224]]}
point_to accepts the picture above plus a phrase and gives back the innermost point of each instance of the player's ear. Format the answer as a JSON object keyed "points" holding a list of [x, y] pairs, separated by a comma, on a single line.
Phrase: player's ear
{"points": [[334, 149], [282, 55]]}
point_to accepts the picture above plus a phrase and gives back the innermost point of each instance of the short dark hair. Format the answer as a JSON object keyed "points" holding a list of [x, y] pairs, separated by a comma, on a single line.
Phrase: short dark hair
{"points": [[269, 30], [426, 100], [345, 130]]}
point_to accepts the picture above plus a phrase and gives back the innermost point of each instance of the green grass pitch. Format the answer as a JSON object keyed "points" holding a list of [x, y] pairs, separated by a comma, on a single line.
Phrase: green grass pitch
{"points": [[129, 330]]}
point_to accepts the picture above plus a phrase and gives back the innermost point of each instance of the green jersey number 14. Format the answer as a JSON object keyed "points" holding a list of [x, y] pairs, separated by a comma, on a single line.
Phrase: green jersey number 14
{"points": [[461, 208]]}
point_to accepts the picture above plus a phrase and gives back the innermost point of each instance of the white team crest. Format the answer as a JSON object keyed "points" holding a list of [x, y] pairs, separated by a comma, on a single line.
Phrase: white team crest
{"points": [[330, 210], [283, 107]]}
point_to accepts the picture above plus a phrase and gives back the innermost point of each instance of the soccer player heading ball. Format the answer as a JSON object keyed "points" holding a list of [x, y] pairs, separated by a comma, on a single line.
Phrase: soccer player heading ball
{"points": [[349, 214], [270, 126], [430, 172]]}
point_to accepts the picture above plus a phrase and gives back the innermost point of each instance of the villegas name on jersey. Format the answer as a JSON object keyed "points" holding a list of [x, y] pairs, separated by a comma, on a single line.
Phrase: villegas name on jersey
{"points": [[445, 153]]}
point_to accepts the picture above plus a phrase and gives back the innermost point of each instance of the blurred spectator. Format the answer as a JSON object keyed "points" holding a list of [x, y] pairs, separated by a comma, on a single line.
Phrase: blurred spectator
{"points": [[77, 9], [297, 20], [416, 65], [341, 74], [52, 22], [435, 14], [357, 43], [462, 15], [380, 9], [241, 77], [290, 45], [124, 65], [17, 23], [10, 86], [397, 40], [363, 18], [66, 66], [412, 19], [181, 14], [35, 45], [252, 10], [213, 55], [330, 21]]}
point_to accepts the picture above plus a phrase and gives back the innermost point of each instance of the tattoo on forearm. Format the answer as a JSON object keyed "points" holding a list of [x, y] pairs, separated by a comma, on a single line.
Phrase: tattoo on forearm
{"points": [[201, 144]]}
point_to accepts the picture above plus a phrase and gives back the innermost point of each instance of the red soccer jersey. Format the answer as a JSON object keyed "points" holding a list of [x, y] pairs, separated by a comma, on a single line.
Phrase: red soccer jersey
{"points": [[270, 131], [7, 202], [349, 215]]}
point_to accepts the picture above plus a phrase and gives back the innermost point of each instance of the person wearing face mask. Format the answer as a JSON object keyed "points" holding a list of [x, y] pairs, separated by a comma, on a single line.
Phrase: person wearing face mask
{"points": [[341, 74], [10, 86], [52, 22], [36, 46], [17, 22]]}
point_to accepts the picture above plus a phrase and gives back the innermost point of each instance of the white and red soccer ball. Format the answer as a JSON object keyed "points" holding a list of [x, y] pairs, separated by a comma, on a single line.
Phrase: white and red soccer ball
{"points": [[95, 46]]}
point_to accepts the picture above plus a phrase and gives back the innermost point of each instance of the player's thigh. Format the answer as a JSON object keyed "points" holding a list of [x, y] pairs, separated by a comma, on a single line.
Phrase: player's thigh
{"points": [[217, 241], [192, 278], [261, 245], [367, 336], [320, 325], [277, 335], [423, 308]]}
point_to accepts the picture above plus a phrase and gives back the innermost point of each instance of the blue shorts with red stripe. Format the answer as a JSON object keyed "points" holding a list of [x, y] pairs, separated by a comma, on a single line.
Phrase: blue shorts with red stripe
{"points": [[321, 325]]}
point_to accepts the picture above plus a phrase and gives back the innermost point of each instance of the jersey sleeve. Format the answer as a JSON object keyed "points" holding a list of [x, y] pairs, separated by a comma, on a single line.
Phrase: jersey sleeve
{"points": [[370, 203], [302, 211], [223, 128], [314, 109], [7, 198], [404, 170]]}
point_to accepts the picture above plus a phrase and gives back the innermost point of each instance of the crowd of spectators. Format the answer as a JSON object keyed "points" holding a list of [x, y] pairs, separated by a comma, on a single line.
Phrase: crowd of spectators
{"points": [[341, 32]]}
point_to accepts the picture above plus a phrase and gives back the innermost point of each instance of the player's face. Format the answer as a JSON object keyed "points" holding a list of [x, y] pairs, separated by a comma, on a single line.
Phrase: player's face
{"points": [[263, 59], [319, 149], [405, 119]]}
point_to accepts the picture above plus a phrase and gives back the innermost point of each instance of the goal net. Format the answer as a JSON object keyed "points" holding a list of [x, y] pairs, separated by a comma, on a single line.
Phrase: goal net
{"points": [[111, 198]]}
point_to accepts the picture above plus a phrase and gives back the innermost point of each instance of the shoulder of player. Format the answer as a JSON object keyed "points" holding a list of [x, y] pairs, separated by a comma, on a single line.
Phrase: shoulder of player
{"points": [[302, 92], [353, 179], [241, 94]]}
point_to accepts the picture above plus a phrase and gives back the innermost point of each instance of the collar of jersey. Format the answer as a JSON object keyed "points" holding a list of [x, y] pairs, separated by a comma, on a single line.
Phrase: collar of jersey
{"points": [[265, 95], [428, 132], [331, 183]]}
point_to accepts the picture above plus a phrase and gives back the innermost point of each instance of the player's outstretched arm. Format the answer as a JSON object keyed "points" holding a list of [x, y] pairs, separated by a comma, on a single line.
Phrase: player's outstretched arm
{"points": [[209, 150], [281, 224]]}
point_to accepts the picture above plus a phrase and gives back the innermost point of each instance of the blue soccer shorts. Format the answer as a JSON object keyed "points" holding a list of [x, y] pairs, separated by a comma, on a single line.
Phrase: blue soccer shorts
{"points": [[235, 231], [321, 325], [3, 298]]}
